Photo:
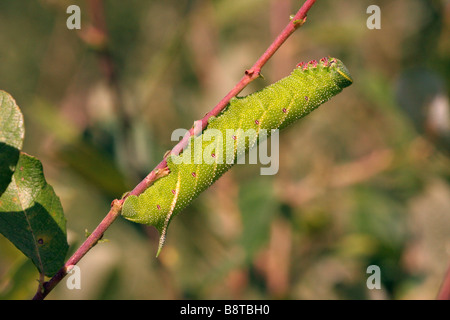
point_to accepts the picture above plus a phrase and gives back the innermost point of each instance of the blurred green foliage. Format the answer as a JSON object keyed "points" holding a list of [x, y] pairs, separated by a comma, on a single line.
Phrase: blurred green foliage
{"points": [[363, 180]]}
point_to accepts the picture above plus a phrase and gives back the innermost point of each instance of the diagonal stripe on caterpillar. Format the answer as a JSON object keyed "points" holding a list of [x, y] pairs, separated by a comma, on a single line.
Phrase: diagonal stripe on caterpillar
{"points": [[274, 107]]}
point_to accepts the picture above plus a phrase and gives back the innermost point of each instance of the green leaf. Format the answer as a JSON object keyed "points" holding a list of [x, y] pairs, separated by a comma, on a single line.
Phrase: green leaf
{"points": [[31, 216], [11, 138]]}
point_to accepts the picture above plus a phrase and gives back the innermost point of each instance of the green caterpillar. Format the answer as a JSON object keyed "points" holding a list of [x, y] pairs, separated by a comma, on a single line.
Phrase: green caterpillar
{"points": [[274, 107]]}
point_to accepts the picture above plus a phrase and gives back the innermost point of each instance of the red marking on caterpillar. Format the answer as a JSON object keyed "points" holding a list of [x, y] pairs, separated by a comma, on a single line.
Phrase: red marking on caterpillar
{"points": [[158, 206], [256, 121], [173, 191], [194, 174], [313, 63], [300, 64], [234, 137], [324, 60], [306, 98], [284, 110]]}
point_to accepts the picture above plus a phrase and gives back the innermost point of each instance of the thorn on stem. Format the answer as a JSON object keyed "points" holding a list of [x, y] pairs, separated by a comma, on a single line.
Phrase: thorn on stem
{"points": [[298, 22], [251, 72], [159, 173]]}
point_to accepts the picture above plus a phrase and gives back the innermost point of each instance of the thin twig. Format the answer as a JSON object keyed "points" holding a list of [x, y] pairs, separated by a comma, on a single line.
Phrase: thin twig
{"points": [[250, 75]]}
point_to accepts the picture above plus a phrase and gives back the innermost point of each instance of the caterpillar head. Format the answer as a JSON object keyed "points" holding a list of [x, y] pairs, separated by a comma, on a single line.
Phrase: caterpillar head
{"points": [[343, 78], [341, 75]]}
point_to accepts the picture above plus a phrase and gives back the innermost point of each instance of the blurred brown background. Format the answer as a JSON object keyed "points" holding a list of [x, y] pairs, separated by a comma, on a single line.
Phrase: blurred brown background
{"points": [[364, 180]]}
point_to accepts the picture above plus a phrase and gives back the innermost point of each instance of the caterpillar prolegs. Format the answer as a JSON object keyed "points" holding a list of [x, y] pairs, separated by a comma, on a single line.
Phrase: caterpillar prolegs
{"points": [[274, 107]]}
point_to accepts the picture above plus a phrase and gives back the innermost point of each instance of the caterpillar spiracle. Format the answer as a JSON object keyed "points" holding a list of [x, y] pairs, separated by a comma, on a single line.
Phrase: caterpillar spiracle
{"points": [[274, 107]]}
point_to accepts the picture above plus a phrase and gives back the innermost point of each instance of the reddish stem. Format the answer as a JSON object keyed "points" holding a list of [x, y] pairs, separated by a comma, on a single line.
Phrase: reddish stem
{"points": [[250, 75]]}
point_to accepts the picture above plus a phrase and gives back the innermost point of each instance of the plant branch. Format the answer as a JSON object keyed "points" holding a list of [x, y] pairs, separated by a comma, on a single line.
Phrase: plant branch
{"points": [[116, 206]]}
